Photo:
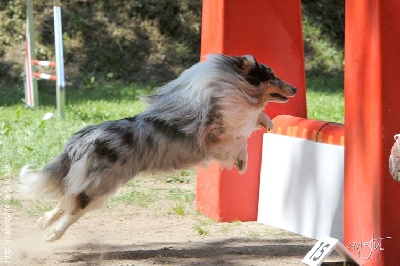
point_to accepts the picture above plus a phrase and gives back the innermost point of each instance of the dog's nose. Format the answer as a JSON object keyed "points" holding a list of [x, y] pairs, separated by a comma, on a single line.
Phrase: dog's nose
{"points": [[292, 88]]}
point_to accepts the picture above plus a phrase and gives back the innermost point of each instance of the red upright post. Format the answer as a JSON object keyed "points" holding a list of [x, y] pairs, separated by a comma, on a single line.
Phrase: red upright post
{"points": [[372, 117], [271, 31]]}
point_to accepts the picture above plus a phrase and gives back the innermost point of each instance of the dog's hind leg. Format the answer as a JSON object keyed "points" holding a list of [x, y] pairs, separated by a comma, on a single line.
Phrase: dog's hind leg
{"points": [[50, 217], [77, 207]]}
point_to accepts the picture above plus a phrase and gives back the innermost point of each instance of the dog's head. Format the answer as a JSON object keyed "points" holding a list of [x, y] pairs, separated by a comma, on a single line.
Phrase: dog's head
{"points": [[264, 83]]}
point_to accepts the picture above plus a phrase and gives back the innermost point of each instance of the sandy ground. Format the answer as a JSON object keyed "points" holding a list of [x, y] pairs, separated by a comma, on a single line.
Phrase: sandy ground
{"points": [[151, 232]]}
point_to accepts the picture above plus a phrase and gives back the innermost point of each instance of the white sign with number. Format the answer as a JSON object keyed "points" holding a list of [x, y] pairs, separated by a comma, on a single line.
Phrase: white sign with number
{"points": [[324, 247]]}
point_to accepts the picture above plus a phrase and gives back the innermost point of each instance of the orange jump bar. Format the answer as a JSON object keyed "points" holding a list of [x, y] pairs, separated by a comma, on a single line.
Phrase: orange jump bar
{"points": [[315, 130]]}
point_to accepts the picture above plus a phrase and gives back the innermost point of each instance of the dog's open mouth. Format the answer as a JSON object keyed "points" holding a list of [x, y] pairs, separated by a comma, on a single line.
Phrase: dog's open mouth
{"points": [[279, 97]]}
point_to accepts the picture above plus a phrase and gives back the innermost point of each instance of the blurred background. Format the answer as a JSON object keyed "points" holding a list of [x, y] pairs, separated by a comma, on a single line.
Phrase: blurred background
{"points": [[140, 41]]}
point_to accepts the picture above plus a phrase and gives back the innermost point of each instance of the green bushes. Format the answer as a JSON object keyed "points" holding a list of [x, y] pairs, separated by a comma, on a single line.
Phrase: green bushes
{"points": [[109, 40], [142, 40]]}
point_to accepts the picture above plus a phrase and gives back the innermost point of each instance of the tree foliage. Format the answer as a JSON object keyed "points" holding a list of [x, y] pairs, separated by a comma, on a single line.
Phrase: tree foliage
{"points": [[133, 40]]}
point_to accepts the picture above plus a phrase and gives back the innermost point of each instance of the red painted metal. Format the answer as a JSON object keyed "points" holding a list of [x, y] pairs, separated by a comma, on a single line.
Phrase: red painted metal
{"points": [[372, 116], [310, 129], [44, 76], [272, 32], [44, 63]]}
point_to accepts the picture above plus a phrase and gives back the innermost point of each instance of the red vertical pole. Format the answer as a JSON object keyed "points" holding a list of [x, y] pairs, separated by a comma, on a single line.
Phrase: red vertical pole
{"points": [[372, 117], [271, 31]]}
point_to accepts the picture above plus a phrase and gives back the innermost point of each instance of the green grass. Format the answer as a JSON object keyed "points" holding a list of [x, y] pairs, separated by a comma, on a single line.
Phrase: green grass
{"points": [[179, 177], [136, 197], [203, 225], [39, 207], [27, 139], [147, 191], [13, 202], [201, 230], [179, 208], [181, 195], [325, 99]]}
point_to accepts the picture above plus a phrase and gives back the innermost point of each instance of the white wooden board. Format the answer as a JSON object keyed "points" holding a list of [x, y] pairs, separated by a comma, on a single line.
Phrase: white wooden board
{"points": [[301, 186]]}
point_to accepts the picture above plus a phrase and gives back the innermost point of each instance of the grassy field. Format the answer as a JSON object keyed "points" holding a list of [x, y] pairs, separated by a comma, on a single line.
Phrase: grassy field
{"points": [[325, 98]]}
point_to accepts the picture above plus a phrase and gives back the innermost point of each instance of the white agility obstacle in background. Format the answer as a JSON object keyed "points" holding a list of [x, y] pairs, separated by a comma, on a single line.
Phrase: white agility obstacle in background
{"points": [[301, 186], [31, 90]]}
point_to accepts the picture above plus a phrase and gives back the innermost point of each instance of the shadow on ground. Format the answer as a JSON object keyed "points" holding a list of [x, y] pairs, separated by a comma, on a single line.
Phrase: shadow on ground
{"points": [[217, 252]]}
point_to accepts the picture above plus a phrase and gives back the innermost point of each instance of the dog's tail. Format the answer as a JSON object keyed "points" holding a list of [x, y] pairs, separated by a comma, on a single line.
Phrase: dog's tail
{"points": [[48, 182]]}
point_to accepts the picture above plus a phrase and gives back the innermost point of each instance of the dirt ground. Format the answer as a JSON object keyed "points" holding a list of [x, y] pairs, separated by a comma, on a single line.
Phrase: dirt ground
{"points": [[162, 227]]}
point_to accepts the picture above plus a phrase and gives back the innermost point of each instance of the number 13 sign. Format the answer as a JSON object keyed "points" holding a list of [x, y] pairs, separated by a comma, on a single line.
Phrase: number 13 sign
{"points": [[324, 247]]}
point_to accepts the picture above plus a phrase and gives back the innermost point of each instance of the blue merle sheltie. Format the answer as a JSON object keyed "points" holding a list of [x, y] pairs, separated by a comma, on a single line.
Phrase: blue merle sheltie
{"points": [[206, 114]]}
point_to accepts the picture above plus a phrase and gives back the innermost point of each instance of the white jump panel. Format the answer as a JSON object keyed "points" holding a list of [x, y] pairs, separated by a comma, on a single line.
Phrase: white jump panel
{"points": [[301, 186]]}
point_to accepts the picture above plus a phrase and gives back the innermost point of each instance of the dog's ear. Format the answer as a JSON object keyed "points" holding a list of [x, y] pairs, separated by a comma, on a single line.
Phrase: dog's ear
{"points": [[255, 73], [244, 63], [249, 62]]}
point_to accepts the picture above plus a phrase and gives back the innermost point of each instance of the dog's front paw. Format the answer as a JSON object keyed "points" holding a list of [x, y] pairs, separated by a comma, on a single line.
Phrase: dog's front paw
{"points": [[241, 160], [266, 122], [241, 165]]}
